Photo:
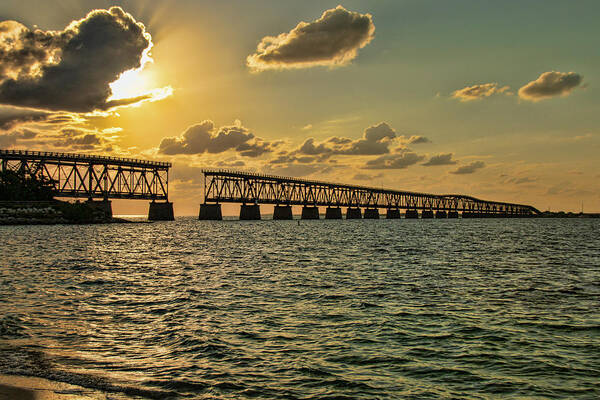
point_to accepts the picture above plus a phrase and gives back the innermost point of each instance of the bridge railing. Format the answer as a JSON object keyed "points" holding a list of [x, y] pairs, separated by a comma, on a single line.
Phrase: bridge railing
{"points": [[81, 157]]}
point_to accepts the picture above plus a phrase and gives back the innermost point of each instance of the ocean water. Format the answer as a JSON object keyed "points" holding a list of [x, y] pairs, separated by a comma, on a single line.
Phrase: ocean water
{"points": [[405, 309]]}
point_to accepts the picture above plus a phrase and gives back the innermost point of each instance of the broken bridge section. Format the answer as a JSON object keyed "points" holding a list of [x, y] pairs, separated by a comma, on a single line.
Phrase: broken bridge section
{"points": [[97, 178], [251, 190]]}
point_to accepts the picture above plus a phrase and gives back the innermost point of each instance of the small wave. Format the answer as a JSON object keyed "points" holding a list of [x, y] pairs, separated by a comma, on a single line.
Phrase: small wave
{"points": [[95, 282], [562, 327], [12, 326], [250, 335], [313, 371], [368, 360], [364, 304]]}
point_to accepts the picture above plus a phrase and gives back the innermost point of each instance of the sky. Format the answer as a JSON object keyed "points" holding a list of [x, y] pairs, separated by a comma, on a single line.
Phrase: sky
{"points": [[497, 100]]}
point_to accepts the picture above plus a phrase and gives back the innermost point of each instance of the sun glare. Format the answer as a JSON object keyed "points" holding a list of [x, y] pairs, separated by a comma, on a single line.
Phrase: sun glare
{"points": [[131, 83]]}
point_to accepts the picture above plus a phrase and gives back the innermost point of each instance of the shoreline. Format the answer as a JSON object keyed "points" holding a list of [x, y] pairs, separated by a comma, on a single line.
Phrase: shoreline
{"points": [[38, 222], [18, 387]]}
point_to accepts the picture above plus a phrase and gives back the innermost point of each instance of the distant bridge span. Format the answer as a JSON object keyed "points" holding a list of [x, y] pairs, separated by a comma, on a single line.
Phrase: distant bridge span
{"points": [[253, 189], [97, 177]]}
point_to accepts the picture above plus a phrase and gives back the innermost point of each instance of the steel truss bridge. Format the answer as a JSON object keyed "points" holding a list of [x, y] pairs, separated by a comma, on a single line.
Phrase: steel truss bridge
{"points": [[92, 177], [240, 187]]}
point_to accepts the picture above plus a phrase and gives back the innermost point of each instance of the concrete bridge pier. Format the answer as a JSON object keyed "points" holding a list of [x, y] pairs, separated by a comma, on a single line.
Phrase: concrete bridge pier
{"points": [[333, 213], [210, 212], [104, 206], [427, 214], [249, 212], [282, 212], [441, 214], [310, 212], [411, 214], [452, 214], [392, 213], [161, 211], [371, 213], [353, 213]]}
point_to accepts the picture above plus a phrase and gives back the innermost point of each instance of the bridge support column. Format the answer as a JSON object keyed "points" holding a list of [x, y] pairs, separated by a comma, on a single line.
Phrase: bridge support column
{"points": [[440, 214], [427, 214], [282, 212], [411, 214], [161, 211], [210, 212], [353, 213], [104, 206], [371, 213], [452, 214], [249, 212], [310, 212], [333, 213], [392, 213]]}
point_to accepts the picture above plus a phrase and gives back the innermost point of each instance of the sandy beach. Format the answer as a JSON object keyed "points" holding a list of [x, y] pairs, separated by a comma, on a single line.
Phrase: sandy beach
{"points": [[28, 388]]}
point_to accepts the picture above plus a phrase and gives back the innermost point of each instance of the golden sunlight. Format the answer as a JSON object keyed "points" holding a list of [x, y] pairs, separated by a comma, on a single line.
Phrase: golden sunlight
{"points": [[137, 83], [130, 84]]}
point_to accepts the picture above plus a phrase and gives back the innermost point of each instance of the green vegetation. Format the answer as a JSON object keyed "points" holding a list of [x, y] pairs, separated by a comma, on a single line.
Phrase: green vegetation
{"points": [[16, 186]]}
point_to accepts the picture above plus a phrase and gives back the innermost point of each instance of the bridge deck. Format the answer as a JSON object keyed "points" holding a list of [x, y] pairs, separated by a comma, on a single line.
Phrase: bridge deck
{"points": [[84, 158]]}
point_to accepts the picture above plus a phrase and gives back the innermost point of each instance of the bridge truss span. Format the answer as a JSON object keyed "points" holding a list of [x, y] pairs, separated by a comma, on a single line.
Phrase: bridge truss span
{"points": [[248, 188], [92, 177]]}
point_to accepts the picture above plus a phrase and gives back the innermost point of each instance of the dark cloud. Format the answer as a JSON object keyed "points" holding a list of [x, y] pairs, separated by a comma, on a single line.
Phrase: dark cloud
{"points": [[70, 70], [440, 159], [10, 117], [309, 148], [478, 92], [255, 149], [550, 84], [394, 161], [469, 168], [333, 39], [11, 139], [76, 139], [417, 140], [376, 140], [205, 138], [85, 140], [285, 157]]}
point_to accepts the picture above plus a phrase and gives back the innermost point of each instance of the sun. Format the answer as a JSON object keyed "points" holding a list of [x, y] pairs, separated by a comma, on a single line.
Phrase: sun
{"points": [[130, 84]]}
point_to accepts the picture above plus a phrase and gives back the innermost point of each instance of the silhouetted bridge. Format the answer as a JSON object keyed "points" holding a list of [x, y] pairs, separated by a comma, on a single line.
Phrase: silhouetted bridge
{"points": [[97, 177], [251, 190]]}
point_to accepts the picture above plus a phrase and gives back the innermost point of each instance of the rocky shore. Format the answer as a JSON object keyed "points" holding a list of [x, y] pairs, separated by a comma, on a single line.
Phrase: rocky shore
{"points": [[52, 212]]}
